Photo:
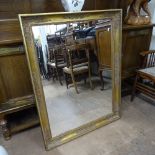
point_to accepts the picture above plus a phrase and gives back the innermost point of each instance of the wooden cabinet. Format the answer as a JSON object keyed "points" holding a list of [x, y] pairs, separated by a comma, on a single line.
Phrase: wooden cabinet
{"points": [[16, 89], [14, 74]]}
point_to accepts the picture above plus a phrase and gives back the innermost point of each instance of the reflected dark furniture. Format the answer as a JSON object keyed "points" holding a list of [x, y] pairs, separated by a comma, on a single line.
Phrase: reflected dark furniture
{"points": [[76, 65], [57, 64], [103, 42], [145, 78]]}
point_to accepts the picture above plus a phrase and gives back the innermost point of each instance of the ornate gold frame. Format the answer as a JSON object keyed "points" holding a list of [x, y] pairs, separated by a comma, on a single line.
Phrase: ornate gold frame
{"points": [[26, 23]]}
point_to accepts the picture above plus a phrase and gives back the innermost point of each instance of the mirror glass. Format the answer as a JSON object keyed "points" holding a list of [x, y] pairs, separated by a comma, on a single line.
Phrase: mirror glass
{"points": [[76, 72]]}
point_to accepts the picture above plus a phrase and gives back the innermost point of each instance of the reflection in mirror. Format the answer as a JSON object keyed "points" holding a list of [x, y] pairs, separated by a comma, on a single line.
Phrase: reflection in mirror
{"points": [[75, 68]]}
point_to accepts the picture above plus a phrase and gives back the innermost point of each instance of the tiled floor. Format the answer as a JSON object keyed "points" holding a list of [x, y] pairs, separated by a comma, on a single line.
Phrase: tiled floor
{"points": [[68, 110], [133, 134]]}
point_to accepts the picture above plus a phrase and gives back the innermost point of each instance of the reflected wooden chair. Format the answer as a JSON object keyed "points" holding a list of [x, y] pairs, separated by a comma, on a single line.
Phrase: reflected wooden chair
{"points": [[103, 42], [77, 66], [145, 78], [58, 62]]}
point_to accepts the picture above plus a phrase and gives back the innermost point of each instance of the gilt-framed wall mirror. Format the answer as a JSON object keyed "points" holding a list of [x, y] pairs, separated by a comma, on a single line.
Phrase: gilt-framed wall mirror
{"points": [[75, 65]]}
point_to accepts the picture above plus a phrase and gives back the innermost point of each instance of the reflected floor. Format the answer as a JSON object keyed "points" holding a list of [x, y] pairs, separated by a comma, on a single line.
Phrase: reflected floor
{"points": [[68, 110]]}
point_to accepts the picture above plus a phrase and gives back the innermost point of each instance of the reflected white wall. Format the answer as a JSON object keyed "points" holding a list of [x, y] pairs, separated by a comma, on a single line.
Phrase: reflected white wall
{"points": [[48, 29], [40, 32]]}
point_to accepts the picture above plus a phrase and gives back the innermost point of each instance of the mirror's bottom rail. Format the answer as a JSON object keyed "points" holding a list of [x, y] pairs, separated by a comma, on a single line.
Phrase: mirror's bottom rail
{"points": [[80, 131]]}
